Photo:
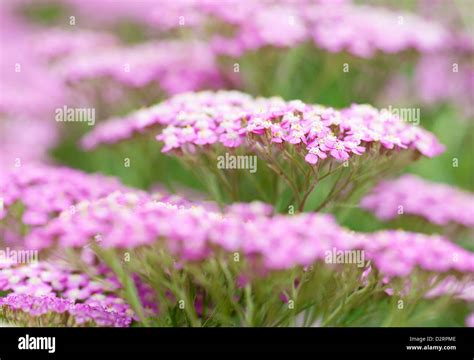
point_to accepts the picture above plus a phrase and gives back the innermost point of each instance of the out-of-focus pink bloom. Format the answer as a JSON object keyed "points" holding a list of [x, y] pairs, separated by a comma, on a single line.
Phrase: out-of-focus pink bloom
{"points": [[470, 320], [193, 233], [44, 191], [438, 203], [163, 63]]}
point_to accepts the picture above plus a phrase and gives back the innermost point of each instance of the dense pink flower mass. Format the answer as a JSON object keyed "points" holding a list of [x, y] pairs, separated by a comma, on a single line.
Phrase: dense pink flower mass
{"points": [[89, 297], [40, 288], [165, 63], [397, 253], [364, 30], [43, 192], [14, 306], [438, 203], [282, 242], [232, 118], [332, 25]]}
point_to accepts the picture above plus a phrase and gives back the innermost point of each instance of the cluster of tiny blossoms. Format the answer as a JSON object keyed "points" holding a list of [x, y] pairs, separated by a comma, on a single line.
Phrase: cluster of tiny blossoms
{"points": [[275, 242], [397, 253], [233, 119], [28, 310], [440, 204], [37, 289], [33, 194]]}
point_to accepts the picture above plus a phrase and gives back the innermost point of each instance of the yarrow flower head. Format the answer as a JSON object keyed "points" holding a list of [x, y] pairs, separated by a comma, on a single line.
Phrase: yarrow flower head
{"points": [[193, 233], [398, 253], [38, 289], [333, 26], [32, 194], [29, 310], [164, 63], [206, 118], [195, 124], [90, 297], [438, 203]]}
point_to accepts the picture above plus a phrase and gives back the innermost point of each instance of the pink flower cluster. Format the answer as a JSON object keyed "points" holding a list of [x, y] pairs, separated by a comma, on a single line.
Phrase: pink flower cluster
{"points": [[440, 204], [165, 63], [29, 94], [232, 118], [364, 30], [43, 192], [453, 287], [332, 25], [41, 287], [398, 253], [75, 314], [455, 79], [275, 242], [161, 15]]}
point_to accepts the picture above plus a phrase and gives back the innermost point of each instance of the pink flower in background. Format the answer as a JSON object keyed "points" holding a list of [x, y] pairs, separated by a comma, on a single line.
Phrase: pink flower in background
{"points": [[192, 234], [335, 26], [438, 203], [470, 320], [163, 63], [44, 191], [14, 307]]}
